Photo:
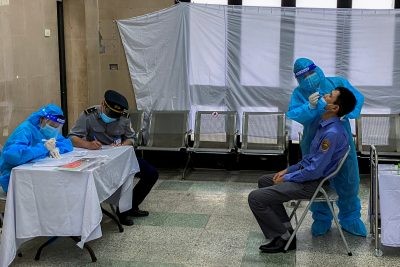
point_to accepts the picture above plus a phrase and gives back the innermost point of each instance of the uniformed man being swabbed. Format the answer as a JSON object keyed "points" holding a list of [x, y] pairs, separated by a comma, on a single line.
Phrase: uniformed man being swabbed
{"points": [[109, 124]]}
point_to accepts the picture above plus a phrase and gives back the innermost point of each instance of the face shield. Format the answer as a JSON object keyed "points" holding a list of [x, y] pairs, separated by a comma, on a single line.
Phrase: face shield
{"points": [[308, 78], [52, 126]]}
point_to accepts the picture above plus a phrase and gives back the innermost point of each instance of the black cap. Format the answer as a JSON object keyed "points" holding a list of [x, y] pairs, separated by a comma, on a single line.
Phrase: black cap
{"points": [[116, 103]]}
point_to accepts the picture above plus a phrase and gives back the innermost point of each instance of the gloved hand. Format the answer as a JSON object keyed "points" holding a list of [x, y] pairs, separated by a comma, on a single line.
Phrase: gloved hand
{"points": [[313, 99], [55, 153], [50, 144]]}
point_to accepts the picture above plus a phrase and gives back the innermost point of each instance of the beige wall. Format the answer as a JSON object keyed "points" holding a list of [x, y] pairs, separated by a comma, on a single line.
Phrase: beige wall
{"points": [[29, 71], [114, 53], [81, 54], [93, 43]]}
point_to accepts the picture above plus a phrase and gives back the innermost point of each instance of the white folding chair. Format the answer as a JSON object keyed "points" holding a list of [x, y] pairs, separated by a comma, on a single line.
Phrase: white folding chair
{"points": [[328, 197], [3, 197]]}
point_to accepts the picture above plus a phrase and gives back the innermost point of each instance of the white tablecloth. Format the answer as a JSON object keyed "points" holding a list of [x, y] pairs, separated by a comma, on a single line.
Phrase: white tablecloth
{"points": [[389, 196], [44, 201]]}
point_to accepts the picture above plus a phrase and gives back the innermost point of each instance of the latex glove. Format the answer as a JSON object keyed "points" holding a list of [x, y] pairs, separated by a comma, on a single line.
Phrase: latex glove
{"points": [[55, 153], [50, 144], [313, 99]]}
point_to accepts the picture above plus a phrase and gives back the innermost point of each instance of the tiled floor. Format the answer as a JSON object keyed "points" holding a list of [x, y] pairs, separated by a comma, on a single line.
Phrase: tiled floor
{"points": [[205, 221]]}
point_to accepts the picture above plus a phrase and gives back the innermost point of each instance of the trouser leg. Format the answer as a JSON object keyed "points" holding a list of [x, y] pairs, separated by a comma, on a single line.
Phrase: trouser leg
{"points": [[148, 176], [266, 203]]}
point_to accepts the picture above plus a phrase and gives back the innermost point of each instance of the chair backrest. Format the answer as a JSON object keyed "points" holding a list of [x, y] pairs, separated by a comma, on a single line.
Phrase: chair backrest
{"points": [[263, 132], [339, 166], [380, 130], [3, 197], [168, 129], [215, 131], [137, 120], [137, 124]]}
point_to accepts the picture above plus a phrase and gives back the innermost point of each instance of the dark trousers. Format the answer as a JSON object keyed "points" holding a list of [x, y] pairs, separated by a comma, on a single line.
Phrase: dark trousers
{"points": [[266, 203], [148, 176]]}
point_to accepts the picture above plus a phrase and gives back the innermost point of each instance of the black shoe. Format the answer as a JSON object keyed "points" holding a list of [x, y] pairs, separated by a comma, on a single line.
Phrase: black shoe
{"points": [[138, 213], [124, 219], [271, 243], [279, 245]]}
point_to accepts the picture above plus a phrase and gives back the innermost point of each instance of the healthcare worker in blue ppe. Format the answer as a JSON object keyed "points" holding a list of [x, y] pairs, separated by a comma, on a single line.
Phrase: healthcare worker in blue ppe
{"points": [[37, 137], [306, 107]]}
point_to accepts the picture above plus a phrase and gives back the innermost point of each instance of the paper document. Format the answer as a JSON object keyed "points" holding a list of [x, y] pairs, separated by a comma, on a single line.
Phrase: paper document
{"points": [[65, 159], [52, 162], [80, 164]]}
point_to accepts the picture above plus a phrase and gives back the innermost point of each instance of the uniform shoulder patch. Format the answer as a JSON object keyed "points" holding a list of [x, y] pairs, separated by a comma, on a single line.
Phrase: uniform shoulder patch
{"points": [[325, 145], [90, 110]]}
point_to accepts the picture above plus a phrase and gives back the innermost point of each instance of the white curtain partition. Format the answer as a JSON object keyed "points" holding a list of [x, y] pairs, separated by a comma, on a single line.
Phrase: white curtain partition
{"points": [[193, 56]]}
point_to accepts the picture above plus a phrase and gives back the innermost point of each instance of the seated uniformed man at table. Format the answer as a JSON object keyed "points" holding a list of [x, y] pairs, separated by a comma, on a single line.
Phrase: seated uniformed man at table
{"points": [[300, 181], [37, 137], [109, 124]]}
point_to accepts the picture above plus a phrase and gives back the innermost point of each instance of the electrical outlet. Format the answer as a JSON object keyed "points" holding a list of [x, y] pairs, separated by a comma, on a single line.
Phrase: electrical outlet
{"points": [[47, 32]]}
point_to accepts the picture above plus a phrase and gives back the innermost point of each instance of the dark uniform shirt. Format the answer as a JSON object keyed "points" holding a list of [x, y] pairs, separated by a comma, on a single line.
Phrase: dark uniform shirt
{"points": [[327, 148], [90, 127]]}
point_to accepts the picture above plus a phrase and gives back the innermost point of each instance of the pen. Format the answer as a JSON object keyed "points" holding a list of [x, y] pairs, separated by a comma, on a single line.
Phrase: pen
{"points": [[95, 139]]}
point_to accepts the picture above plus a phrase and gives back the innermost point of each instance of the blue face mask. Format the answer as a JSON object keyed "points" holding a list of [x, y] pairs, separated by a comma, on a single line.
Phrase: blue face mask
{"points": [[311, 82], [106, 119], [48, 131]]}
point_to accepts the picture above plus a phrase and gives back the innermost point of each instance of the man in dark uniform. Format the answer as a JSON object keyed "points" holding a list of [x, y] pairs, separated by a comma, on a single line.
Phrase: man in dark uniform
{"points": [[109, 124], [300, 181]]}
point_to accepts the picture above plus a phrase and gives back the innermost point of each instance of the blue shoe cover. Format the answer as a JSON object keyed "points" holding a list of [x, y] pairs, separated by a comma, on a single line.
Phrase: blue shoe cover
{"points": [[320, 227], [354, 227]]}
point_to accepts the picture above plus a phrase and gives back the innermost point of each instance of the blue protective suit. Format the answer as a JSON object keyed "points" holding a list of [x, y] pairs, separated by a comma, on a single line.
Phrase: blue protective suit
{"points": [[346, 183], [25, 143]]}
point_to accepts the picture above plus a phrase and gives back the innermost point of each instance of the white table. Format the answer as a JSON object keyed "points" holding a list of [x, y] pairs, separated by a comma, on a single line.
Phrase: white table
{"points": [[44, 201], [389, 199]]}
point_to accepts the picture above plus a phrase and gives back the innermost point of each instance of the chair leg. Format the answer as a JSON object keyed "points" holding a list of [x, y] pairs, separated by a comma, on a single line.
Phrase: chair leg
{"points": [[336, 221], [48, 242], [297, 205], [112, 217], [298, 225], [339, 227], [186, 165], [88, 248]]}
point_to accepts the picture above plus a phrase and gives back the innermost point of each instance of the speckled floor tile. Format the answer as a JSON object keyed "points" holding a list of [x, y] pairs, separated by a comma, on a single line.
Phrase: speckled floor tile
{"points": [[232, 223], [174, 185], [186, 220], [163, 200], [200, 202], [219, 248], [253, 256], [164, 253], [216, 187], [174, 220], [206, 221]]}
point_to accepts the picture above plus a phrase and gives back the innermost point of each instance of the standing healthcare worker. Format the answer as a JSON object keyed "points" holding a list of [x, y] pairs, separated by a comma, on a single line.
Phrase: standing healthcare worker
{"points": [[306, 107], [37, 137]]}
